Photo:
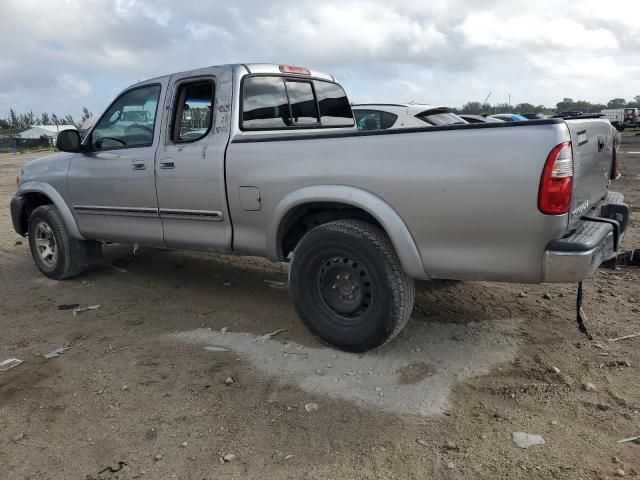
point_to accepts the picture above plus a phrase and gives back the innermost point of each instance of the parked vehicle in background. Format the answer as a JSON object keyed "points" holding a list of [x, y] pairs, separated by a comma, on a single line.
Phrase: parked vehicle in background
{"points": [[631, 117], [616, 117], [622, 118], [509, 117], [479, 118], [280, 171], [381, 116], [534, 116], [568, 114]]}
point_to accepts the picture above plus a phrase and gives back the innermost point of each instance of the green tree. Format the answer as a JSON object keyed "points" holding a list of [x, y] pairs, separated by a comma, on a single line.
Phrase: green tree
{"points": [[527, 108], [14, 119], [25, 120], [44, 118], [635, 103], [568, 104], [565, 105], [86, 114], [475, 108], [502, 108], [617, 103]]}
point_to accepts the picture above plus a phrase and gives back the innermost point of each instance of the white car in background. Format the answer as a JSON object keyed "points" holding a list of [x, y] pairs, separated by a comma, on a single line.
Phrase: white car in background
{"points": [[382, 116], [479, 119]]}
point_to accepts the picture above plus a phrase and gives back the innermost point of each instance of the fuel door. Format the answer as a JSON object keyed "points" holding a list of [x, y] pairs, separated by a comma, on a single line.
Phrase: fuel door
{"points": [[250, 200]]}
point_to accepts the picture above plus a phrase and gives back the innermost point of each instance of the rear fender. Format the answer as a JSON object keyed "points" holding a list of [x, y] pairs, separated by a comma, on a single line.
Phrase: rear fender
{"points": [[388, 218]]}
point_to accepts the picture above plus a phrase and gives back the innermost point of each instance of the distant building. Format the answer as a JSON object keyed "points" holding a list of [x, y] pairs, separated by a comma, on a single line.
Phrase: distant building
{"points": [[47, 131]]}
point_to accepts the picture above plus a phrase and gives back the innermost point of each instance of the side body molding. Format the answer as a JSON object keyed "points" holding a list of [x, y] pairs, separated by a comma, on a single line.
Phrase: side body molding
{"points": [[390, 220], [57, 199]]}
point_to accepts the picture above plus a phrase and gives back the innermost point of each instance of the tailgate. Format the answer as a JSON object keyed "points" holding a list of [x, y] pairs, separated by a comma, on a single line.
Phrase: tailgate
{"points": [[592, 143]]}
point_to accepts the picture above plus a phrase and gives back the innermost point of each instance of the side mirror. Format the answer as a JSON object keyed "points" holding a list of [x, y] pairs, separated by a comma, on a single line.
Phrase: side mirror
{"points": [[68, 141]]}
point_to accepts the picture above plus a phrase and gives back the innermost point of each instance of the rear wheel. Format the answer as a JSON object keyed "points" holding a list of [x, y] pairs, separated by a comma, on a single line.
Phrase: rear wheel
{"points": [[56, 254], [348, 286]]}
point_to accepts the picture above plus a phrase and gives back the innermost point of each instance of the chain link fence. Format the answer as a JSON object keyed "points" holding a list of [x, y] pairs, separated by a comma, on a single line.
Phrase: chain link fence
{"points": [[10, 144]]}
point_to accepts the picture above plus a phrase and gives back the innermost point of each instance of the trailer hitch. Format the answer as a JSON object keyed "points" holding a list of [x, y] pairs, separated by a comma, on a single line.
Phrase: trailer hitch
{"points": [[580, 315]]}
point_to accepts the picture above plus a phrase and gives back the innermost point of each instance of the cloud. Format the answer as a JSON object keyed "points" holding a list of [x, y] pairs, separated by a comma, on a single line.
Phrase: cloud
{"points": [[68, 53], [201, 31], [526, 32], [73, 86]]}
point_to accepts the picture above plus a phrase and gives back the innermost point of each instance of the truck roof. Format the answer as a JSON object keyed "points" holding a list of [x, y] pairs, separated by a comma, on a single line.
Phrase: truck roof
{"points": [[255, 68], [275, 69]]}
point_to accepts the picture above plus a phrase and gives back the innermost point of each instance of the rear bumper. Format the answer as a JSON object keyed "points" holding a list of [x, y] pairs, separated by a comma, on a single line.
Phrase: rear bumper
{"points": [[17, 207], [597, 238]]}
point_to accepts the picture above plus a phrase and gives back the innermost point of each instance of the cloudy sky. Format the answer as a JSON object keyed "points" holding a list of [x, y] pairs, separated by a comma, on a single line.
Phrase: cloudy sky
{"points": [[59, 55]]}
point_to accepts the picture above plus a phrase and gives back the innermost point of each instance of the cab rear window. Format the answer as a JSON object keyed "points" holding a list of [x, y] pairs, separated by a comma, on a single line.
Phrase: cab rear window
{"points": [[275, 103], [335, 110], [265, 104]]}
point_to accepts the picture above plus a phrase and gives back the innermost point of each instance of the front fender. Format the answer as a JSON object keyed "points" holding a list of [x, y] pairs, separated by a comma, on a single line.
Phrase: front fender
{"points": [[390, 220], [59, 202]]}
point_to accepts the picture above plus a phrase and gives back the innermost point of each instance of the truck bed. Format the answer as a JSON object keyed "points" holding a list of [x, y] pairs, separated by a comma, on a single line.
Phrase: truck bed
{"points": [[467, 193]]}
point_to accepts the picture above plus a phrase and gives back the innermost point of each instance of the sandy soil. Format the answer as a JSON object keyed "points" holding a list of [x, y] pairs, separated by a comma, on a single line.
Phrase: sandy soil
{"points": [[141, 383]]}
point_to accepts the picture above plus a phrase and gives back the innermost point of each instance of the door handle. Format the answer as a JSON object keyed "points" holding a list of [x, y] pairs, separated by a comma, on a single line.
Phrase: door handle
{"points": [[138, 165], [167, 164]]}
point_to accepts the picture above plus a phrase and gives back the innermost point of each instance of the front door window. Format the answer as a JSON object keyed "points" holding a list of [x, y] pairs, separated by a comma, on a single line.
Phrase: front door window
{"points": [[129, 122]]}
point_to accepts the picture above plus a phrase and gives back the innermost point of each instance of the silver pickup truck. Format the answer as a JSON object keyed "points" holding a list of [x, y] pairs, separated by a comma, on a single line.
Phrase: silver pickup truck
{"points": [[266, 160]]}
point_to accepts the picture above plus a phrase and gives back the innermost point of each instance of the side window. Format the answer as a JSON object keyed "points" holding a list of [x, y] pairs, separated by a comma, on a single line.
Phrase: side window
{"points": [[303, 103], [264, 103], [129, 122], [193, 111], [335, 110], [368, 120], [387, 120]]}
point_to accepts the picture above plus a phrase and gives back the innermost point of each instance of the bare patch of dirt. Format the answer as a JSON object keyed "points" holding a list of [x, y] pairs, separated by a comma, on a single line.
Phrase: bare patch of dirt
{"points": [[414, 373]]}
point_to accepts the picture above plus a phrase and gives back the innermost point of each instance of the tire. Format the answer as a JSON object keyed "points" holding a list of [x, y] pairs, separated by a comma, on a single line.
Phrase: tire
{"points": [[348, 285], [66, 257]]}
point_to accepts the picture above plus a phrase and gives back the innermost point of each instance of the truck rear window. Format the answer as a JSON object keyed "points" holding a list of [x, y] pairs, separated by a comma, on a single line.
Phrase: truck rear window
{"points": [[335, 110], [304, 109], [265, 104], [275, 102]]}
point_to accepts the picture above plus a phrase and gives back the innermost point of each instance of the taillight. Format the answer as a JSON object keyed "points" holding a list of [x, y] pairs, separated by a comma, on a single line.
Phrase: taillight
{"points": [[556, 184]]}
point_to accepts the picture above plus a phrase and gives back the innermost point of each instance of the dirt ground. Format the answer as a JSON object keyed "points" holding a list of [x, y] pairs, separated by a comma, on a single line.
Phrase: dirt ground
{"points": [[145, 379]]}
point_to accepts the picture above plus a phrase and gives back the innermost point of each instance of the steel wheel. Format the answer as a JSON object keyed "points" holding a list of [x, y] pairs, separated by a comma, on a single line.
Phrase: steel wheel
{"points": [[345, 286], [348, 286]]}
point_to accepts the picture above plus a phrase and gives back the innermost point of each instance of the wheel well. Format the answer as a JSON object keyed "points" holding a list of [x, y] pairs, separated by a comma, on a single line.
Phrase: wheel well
{"points": [[309, 215], [33, 200]]}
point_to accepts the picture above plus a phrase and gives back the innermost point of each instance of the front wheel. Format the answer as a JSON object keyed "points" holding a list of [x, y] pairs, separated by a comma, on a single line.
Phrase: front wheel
{"points": [[56, 254], [348, 285]]}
